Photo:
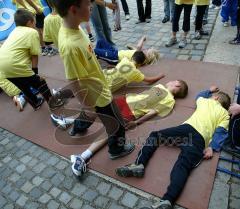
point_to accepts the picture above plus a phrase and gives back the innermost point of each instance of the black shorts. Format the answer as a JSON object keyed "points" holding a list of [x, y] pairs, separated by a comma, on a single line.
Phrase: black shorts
{"points": [[40, 20]]}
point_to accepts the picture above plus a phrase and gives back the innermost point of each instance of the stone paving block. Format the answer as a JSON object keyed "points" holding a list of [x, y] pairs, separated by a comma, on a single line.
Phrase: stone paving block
{"points": [[53, 204], [20, 154], [79, 189], [129, 200], [46, 185], [3, 201], [44, 156], [57, 179], [103, 188], [9, 206], [218, 197], [13, 164], [25, 159], [87, 207], [6, 172], [33, 163], [35, 193], [14, 177], [44, 198], [144, 203], [53, 160], [201, 41], [2, 183], [90, 195], [115, 206], [234, 203], [38, 168], [27, 187], [48, 172], [19, 183], [102, 202], [76, 203], [37, 180], [197, 52], [4, 141], [55, 192], [62, 165], [22, 200], [6, 159], [196, 58], [7, 189], [91, 181], [67, 183], [20, 168], [65, 197], [31, 205], [115, 193], [20, 142], [201, 46], [183, 57], [28, 174], [14, 195]]}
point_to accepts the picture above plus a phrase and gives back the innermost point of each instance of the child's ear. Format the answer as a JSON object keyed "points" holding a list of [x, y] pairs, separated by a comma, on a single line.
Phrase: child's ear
{"points": [[215, 97]]}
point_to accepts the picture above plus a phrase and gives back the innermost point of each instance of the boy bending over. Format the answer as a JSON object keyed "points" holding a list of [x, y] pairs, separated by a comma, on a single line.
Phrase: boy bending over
{"points": [[207, 128]]}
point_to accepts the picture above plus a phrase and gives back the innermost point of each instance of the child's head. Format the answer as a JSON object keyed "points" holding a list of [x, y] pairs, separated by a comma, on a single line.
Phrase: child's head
{"points": [[178, 88], [152, 56], [139, 58], [223, 98], [77, 10], [23, 17]]}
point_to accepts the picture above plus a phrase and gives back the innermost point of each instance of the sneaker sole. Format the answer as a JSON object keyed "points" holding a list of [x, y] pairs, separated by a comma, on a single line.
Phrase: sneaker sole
{"points": [[122, 154], [127, 173]]}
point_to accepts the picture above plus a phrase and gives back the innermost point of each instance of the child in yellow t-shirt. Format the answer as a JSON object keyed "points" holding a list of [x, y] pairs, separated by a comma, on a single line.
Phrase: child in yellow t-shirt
{"points": [[19, 60], [84, 72], [135, 109], [197, 137], [52, 24]]}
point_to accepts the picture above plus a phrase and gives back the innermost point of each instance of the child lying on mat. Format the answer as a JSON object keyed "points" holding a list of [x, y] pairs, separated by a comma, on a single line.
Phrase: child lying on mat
{"points": [[138, 56], [135, 109], [197, 137]]}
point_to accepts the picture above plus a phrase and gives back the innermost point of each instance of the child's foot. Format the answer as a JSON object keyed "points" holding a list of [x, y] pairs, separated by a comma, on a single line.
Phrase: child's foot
{"points": [[225, 24], [127, 17], [60, 121], [39, 104], [172, 41], [127, 149], [52, 52], [91, 38], [139, 21], [131, 170], [44, 51], [197, 35], [79, 166], [79, 126], [148, 20], [55, 103], [183, 43], [163, 204], [20, 102], [117, 28], [165, 19]]}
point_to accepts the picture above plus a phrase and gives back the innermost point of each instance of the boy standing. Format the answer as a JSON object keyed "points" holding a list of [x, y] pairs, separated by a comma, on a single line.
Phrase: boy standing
{"points": [[82, 69], [205, 131]]}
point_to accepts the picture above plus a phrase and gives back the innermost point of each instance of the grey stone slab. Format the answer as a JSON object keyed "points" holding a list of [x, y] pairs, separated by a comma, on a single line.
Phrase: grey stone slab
{"points": [[235, 190], [44, 198], [79, 189], [76, 204], [20, 168], [67, 183], [14, 195], [14, 177], [48, 172], [7, 189], [103, 188], [90, 195], [25, 159], [27, 187], [19, 183], [91, 181], [13, 164], [115, 206], [31, 205], [37, 180], [144, 203], [57, 179], [38, 168], [62, 165], [65, 197], [35, 193], [115, 193], [55, 192], [28, 174], [87, 207], [53, 160], [3, 201], [102, 202], [22, 200], [53, 204], [234, 203], [129, 200], [9, 206], [46, 185]]}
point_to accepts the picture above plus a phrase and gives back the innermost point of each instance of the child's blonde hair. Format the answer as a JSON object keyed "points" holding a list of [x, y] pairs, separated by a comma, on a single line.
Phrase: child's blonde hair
{"points": [[152, 56]]}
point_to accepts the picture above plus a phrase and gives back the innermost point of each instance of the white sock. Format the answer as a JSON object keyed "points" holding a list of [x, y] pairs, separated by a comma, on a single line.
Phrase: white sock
{"points": [[86, 154]]}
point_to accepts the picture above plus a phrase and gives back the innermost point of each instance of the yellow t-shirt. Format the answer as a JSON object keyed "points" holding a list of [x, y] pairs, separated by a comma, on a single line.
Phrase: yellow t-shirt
{"points": [[157, 98], [124, 73], [9, 88], [179, 2], [16, 52], [201, 2], [207, 117], [52, 24], [27, 6], [81, 64], [125, 53]]}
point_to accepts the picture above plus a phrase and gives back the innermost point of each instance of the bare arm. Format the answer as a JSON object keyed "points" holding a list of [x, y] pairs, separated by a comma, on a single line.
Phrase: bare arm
{"points": [[153, 79], [34, 6], [141, 120], [140, 43], [106, 4], [34, 61]]}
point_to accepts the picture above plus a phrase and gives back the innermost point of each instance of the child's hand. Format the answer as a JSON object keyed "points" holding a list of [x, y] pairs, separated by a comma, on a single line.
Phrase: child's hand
{"points": [[214, 89], [131, 125], [208, 153], [234, 109]]}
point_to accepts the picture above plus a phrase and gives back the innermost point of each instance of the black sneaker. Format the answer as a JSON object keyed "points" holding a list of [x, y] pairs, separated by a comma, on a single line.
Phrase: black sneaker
{"points": [[165, 19], [127, 149], [131, 170], [79, 127], [39, 104]]}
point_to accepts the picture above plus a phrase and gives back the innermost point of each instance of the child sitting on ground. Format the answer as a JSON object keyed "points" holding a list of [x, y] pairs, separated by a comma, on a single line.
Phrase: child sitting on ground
{"points": [[19, 60], [208, 128], [52, 24], [135, 109], [106, 52]]}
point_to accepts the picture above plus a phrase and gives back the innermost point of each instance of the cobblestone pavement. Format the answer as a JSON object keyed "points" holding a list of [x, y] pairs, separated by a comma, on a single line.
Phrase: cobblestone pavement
{"points": [[32, 177]]}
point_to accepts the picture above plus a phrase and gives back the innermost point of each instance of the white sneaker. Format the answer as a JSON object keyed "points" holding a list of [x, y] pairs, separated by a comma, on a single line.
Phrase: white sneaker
{"points": [[79, 166], [60, 121], [55, 91], [20, 102], [225, 24], [127, 17]]}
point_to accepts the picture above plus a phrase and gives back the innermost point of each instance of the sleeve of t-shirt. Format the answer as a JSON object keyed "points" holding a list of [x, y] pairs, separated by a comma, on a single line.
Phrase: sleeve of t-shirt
{"points": [[138, 76], [46, 33], [34, 43], [224, 120]]}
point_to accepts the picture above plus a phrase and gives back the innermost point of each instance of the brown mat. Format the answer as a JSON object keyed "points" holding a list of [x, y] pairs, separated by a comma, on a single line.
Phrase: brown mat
{"points": [[198, 75]]}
